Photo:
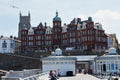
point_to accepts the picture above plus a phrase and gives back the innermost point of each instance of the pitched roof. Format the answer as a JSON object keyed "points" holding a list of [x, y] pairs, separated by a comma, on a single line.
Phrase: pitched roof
{"points": [[40, 25]]}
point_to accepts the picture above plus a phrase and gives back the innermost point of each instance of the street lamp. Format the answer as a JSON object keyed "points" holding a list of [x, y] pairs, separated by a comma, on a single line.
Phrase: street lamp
{"points": [[101, 70]]}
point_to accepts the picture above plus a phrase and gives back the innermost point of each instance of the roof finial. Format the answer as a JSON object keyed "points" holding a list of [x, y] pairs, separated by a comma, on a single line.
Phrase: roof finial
{"points": [[29, 13], [56, 13], [20, 13]]}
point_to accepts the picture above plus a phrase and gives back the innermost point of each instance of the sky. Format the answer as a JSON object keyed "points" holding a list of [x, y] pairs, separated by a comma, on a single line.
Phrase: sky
{"points": [[106, 12]]}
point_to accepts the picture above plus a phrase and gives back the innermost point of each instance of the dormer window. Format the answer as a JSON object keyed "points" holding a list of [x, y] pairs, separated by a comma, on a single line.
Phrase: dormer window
{"points": [[48, 30], [84, 25], [78, 26], [31, 31]]}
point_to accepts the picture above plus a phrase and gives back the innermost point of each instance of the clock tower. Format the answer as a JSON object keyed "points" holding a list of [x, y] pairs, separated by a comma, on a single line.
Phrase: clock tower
{"points": [[24, 23]]}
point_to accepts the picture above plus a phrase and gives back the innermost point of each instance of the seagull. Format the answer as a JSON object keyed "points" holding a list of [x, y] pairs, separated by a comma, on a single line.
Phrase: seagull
{"points": [[14, 7]]}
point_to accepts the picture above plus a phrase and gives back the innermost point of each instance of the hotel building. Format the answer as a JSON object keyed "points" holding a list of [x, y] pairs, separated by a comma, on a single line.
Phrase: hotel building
{"points": [[82, 35]]}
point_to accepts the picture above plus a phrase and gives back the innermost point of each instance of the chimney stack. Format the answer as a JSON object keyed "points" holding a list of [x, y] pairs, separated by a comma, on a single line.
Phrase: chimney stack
{"points": [[1, 36], [11, 36], [45, 24]]}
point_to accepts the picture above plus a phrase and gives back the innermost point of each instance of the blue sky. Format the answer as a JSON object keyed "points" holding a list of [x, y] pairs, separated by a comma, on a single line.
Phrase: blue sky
{"points": [[106, 12]]}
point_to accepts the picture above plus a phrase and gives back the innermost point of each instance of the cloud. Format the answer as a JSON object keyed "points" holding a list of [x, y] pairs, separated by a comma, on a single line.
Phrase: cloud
{"points": [[108, 14], [110, 21]]}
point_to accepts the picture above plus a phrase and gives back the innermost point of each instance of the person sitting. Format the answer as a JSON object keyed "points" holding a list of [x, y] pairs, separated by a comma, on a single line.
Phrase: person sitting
{"points": [[50, 74]]}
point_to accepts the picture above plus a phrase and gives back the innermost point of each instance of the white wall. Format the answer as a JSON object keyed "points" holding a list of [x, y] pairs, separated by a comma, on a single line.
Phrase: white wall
{"points": [[63, 67], [23, 75], [8, 49]]}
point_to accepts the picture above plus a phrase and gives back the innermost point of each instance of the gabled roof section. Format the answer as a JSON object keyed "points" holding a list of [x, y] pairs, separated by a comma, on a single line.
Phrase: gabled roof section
{"points": [[40, 25], [64, 28], [75, 21], [48, 30]]}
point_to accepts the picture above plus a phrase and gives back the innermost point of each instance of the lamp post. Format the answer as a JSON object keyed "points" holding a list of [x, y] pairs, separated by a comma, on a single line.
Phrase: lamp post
{"points": [[117, 66], [101, 70], [41, 61]]}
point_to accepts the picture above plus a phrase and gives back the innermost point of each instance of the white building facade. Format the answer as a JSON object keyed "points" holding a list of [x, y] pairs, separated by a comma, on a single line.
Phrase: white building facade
{"points": [[57, 62], [107, 64], [7, 45]]}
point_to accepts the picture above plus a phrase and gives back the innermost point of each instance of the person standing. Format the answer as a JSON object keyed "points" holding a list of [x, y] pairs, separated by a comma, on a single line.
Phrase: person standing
{"points": [[54, 77], [118, 72], [59, 73]]}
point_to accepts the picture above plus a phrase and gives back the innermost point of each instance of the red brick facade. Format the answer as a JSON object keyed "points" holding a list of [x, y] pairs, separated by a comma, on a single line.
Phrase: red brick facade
{"points": [[82, 35]]}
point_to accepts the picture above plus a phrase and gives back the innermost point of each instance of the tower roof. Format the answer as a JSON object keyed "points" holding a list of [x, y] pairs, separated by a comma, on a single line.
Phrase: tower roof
{"points": [[56, 18], [89, 18]]}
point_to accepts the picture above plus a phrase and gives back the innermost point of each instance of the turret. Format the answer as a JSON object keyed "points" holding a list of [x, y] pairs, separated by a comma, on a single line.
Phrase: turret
{"points": [[56, 18], [56, 21], [89, 18]]}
